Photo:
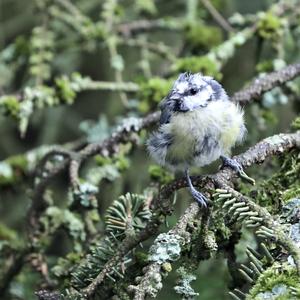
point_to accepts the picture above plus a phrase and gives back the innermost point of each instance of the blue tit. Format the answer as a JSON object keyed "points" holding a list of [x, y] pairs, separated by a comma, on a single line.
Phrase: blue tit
{"points": [[198, 125]]}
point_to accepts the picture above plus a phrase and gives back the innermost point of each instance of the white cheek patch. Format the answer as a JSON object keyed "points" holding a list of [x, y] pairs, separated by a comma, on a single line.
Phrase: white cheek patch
{"points": [[191, 102], [206, 93], [200, 99]]}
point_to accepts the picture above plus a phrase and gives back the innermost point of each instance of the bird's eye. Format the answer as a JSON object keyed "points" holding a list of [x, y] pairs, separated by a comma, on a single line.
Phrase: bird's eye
{"points": [[193, 91]]}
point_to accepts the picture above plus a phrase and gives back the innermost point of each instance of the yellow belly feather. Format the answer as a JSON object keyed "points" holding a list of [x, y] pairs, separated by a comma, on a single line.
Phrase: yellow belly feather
{"points": [[221, 119]]}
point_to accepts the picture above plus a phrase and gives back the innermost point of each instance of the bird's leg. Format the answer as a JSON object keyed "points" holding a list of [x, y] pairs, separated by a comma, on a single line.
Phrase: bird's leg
{"points": [[233, 164], [199, 197]]}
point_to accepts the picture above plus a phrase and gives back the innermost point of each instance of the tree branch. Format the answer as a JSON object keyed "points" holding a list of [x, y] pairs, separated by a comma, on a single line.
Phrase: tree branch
{"points": [[217, 16], [266, 219], [15, 266], [145, 285], [162, 204], [140, 26], [124, 135], [261, 85]]}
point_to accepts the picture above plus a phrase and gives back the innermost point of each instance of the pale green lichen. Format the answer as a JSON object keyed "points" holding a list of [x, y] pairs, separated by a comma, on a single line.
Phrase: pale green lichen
{"points": [[96, 131], [295, 233], [274, 140], [15, 167], [222, 53], [291, 211], [55, 217], [210, 241], [278, 291], [269, 65], [166, 247], [6, 171], [65, 91], [183, 286], [167, 267], [154, 280], [273, 97], [35, 97], [109, 168], [85, 194], [129, 124], [96, 174]]}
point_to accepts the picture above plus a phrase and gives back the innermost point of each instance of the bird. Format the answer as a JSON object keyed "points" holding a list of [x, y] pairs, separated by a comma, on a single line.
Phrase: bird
{"points": [[198, 125]]}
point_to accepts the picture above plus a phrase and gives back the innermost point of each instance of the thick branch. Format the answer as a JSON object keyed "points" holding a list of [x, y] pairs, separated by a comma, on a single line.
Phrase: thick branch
{"points": [[261, 85]]}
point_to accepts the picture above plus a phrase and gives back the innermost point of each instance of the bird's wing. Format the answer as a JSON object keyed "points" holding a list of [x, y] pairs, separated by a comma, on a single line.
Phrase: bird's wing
{"points": [[166, 111]]}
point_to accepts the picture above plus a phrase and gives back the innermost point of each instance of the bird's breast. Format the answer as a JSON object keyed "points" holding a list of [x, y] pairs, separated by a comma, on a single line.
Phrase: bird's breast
{"points": [[206, 132]]}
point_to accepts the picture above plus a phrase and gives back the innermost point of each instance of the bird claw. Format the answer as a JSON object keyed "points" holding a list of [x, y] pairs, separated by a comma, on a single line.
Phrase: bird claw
{"points": [[233, 164], [200, 198]]}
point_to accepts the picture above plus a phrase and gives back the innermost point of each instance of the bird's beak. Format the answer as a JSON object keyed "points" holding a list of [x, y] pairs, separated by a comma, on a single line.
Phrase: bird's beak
{"points": [[176, 96], [179, 104]]}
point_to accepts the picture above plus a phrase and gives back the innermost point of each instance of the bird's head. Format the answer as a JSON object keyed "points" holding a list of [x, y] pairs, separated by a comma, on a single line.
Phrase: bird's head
{"points": [[193, 91]]}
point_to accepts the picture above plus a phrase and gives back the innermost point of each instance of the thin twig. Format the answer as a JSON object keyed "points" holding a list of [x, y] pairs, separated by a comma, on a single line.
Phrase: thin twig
{"points": [[141, 26], [217, 16]]}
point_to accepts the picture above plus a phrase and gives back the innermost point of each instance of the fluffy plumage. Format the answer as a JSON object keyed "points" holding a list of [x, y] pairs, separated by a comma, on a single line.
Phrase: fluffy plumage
{"points": [[198, 124]]}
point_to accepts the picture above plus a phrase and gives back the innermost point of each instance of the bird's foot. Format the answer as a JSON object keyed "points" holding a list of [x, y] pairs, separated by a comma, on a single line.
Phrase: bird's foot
{"points": [[233, 164], [199, 197]]}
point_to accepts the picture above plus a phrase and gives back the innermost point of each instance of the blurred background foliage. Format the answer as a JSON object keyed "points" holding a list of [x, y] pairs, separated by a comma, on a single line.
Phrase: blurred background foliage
{"points": [[72, 71]]}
